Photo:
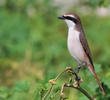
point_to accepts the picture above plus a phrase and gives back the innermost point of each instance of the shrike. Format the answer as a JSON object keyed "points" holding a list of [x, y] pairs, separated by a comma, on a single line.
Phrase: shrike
{"points": [[77, 44]]}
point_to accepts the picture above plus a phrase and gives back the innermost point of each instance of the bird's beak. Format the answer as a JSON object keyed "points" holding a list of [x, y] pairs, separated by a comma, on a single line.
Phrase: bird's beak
{"points": [[61, 17]]}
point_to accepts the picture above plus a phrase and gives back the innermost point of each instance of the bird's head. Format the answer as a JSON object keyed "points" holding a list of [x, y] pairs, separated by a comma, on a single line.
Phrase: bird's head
{"points": [[71, 19]]}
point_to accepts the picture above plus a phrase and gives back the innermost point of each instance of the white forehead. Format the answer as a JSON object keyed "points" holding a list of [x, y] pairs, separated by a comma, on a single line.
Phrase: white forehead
{"points": [[70, 16]]}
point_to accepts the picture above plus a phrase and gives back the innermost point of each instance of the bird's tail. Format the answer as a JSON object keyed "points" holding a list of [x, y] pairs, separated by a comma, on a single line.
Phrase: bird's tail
{"points": [[91, 68]]}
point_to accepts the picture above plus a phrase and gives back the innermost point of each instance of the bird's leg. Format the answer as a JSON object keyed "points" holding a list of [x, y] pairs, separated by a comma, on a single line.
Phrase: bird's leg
{"points": [[78, 68], [75, 71]]}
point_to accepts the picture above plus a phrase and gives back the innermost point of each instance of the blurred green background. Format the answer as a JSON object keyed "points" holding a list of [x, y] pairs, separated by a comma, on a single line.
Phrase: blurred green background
{"points": [[33, 47]]}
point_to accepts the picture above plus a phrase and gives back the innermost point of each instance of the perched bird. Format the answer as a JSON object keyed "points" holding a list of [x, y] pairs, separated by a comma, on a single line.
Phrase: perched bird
{"points": [[78, 45]]}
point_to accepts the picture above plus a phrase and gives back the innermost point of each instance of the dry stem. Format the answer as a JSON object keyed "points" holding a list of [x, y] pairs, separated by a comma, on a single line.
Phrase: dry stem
{"points": [[52, 84], [75, 85]]}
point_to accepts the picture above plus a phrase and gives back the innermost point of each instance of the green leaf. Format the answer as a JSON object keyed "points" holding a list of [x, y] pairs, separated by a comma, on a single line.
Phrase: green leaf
{"points": [[21, 86]]}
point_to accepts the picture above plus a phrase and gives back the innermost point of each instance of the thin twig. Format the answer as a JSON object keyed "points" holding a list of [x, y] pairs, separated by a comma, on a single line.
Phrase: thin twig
{"points": [[85, 93], [81, 90], [48, 92], [52, 85], [60, 74], [62, 90]]}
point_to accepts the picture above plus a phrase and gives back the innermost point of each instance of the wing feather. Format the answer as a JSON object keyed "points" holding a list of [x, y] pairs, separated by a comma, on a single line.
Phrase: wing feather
{"points": [[85, 46]]}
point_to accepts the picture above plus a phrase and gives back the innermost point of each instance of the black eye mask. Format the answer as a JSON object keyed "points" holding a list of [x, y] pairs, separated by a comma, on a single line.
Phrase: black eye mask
{"points": [[70, 18]]}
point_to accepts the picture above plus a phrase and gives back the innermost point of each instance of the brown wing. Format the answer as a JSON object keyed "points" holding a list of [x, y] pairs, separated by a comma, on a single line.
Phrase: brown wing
{"points": [[85, 46]]}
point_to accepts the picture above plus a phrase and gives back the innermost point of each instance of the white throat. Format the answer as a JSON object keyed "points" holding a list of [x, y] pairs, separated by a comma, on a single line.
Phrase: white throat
{"points": [[70, 24]]}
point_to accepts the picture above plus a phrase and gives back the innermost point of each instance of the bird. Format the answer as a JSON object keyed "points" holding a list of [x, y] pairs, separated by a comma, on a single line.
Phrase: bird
{"points": [[77, 44]]}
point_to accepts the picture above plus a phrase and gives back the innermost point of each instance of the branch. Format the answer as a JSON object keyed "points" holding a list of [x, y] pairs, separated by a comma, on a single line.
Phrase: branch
{"points": [[48, 92], [75, 85], [53, 82], [80, 89]]}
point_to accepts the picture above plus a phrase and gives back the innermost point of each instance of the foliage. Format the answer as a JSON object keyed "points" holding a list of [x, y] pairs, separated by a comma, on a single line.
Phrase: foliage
{"points": [[96, 3], [33, 48]]}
